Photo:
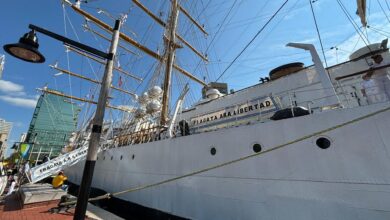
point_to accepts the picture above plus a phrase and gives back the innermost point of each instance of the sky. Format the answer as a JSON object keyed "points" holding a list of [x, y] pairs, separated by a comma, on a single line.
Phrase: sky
{"points": [[231, 25]]}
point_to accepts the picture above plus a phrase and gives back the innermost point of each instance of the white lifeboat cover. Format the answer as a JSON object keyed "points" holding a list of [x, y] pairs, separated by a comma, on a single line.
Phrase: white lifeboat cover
{"points": [[155, 92], [365, 50], [144, 98], [213, 93], [153, 107]]}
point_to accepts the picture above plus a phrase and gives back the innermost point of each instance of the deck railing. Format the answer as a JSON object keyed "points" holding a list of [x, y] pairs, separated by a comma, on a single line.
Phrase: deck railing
{"points": [[350, 94]]}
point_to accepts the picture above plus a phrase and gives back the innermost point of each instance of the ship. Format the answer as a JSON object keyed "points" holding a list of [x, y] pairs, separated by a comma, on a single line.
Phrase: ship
{"points": [[308, 142]]}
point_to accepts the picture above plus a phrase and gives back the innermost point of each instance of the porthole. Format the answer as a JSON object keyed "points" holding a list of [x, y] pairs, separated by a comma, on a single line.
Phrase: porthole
{"points": [[121, 157], [213, 151], [132, 157], [256, 148], [323, 142]]}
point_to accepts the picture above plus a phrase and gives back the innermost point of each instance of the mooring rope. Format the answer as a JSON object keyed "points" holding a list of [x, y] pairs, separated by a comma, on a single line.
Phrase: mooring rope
{"points": [[109, 195]]}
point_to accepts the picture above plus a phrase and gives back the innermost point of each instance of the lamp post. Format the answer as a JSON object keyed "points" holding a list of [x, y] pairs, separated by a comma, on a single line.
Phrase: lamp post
{"points": [[27, 50]]}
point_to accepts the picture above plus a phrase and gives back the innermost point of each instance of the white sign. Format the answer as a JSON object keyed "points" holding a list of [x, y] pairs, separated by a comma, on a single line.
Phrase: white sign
{"points": [[57, 164], [242, 109]]}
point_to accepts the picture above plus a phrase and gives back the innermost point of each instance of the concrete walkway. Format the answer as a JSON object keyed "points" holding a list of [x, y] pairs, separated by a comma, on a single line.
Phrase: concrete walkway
{"points": [[34, 204]]}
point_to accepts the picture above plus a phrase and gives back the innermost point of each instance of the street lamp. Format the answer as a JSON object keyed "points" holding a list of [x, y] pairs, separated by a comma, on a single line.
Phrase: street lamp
{"points": [[27, 50]]}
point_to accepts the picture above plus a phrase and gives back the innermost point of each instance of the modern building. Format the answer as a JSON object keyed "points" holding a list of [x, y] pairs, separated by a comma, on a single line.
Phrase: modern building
{"points": [[22, 137], [53, 121], [2, 60], [5, 130]]}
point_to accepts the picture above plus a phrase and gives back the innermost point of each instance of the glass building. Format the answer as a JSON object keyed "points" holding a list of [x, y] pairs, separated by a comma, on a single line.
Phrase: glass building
{"points": [[53, 121], [5, 130]]}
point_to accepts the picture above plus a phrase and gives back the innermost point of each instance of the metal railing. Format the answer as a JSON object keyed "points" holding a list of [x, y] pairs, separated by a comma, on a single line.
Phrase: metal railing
{"points": [[350, 95]]}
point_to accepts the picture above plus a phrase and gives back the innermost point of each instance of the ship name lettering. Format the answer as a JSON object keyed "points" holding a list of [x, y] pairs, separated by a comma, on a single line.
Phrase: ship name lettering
{"points": [[231, 111]]}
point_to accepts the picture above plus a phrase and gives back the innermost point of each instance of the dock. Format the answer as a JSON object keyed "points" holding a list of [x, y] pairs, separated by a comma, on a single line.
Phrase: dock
{"points": [[35, 201]]}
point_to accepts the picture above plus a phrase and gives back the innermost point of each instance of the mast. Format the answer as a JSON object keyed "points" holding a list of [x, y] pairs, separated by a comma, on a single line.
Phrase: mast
{"points": [[170, 51], [170, 47], [179, 37], [90, 80], [133, 42], [361, 11], [57, 93]]}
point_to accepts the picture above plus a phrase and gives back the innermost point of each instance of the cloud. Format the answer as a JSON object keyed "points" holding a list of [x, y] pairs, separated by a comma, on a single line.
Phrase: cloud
{"points": [[17, 101], [18, 124], [14, 94], [10, 87]]}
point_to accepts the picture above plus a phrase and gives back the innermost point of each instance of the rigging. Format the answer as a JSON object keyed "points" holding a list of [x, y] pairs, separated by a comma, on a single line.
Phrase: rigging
{"points": [[383, 10], [251, 41], [355, 26], [318, 32]]}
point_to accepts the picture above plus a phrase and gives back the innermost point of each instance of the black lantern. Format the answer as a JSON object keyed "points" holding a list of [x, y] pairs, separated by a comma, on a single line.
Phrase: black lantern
{"points": [[26, 49]]}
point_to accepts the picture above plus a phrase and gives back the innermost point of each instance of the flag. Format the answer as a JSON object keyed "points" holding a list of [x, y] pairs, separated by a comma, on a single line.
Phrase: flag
{"points": [[90, 95], [120, 81], [24, 149]]}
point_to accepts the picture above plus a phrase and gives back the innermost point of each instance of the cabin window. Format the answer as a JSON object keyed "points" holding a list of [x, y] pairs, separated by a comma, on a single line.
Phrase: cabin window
{"points": [[323, 142], [256, 148], [213, 151]]}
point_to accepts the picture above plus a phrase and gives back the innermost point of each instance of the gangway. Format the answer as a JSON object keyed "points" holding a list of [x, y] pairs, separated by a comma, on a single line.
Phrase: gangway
{"points": [[64, 161], [57, 164]]}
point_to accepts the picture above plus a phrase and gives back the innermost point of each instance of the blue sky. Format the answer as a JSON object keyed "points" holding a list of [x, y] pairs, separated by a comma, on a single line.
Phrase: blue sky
{"points": [[294, 23]]}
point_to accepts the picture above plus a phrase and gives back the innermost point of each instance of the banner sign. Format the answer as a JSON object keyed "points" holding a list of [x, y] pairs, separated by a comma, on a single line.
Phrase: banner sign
{"points": [[243, 109], [57, 164]]}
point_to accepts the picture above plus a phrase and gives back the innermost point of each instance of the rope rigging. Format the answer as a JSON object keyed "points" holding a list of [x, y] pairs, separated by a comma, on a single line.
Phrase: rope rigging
{"points": [[355, 26], [318, 32], [292, 8], [251, 41], [387, 4], [67, 54], [383, 10]]}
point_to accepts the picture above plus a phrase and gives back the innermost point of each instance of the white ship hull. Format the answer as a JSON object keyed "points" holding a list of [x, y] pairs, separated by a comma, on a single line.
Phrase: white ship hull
{"points": [[349, 180]]}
